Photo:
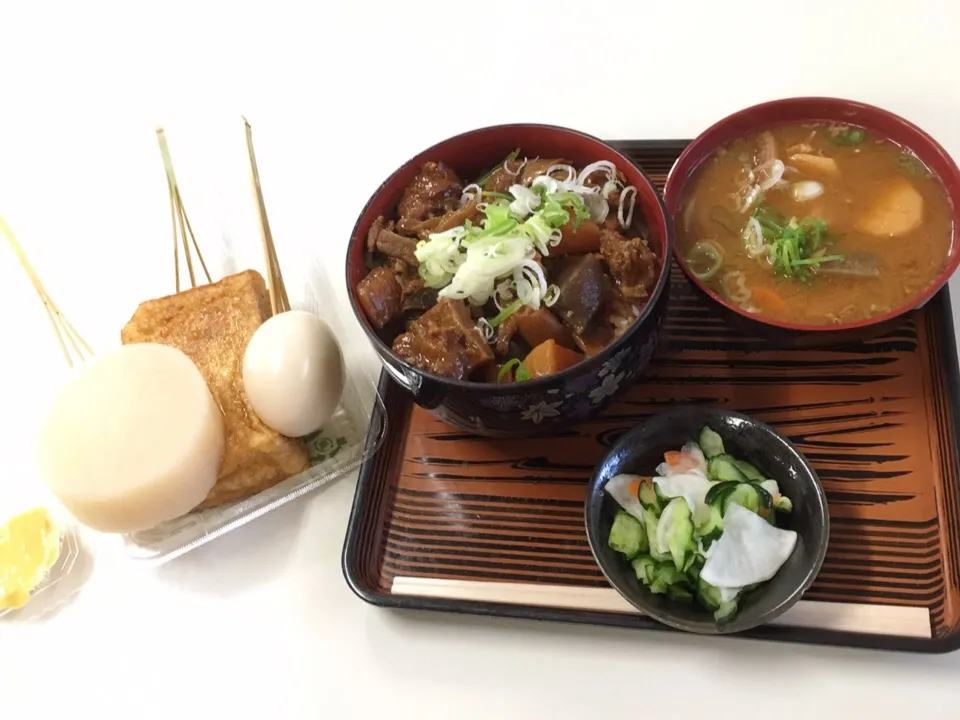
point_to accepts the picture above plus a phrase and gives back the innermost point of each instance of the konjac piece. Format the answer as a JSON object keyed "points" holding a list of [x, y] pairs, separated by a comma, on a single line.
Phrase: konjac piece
{"points": [[444, 341], [582, 285], [856, 264]]}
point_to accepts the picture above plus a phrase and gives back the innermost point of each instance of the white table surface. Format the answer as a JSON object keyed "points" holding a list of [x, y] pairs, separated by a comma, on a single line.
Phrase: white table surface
{"points": [[261, 623]]}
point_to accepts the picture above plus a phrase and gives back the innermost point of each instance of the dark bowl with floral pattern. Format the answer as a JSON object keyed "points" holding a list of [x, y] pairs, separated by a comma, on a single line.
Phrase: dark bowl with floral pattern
{"points": [[542, 405]]}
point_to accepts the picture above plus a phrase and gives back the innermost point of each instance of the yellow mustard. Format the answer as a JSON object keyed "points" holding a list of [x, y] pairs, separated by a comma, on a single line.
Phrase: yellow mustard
{"points": [[29, 547]]}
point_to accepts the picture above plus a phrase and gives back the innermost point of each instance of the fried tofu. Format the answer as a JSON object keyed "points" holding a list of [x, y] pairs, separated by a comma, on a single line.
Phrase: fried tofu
{"points": [[212, 324], [816, 164]]}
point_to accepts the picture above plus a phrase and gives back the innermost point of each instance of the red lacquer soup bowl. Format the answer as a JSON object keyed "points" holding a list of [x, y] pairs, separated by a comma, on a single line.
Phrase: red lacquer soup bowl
{"points": [[541, 405], [803, 110]]}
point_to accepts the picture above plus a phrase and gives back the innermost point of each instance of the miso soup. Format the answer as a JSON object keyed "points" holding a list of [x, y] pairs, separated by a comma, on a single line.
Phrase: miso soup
{"points": [[815, 224]]}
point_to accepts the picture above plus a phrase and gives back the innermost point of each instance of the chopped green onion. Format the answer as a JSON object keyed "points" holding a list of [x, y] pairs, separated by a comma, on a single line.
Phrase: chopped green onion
{"points": [[555, 216], [510, 158], [704, 260], [433, 280], [468, 261], [539, 232], [440, 256], [496, 213], [793, 245], [818, 260], [575, 202], [848, 137], [814, 224], [552, 295], [492, 230], [484, 327], [501, 316], [521, 374], [552, 212], [769, 219]]}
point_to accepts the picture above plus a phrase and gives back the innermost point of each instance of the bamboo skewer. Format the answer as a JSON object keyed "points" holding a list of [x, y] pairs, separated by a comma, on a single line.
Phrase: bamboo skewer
{"points": [[67, 334], [176, 248], [279, 301], [182, 231], [184, 237]]}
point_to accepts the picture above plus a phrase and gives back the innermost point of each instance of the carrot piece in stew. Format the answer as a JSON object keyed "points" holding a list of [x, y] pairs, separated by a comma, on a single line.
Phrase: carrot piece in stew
{"points": [[584, 239], [548, 358], [538, 326]]}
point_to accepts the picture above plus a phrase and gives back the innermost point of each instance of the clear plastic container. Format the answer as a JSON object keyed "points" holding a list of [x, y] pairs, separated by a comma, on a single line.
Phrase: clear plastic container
{"points": [[69, 573], [341, 446]]}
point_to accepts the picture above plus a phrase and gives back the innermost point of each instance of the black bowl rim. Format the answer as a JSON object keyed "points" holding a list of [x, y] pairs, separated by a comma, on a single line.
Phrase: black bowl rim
{"points": [[587, 364], [774, 612]]}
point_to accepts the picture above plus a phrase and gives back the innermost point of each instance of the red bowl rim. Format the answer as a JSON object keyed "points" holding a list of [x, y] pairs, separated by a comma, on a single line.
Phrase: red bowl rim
{"points": [[703, 147], [535, 383]]}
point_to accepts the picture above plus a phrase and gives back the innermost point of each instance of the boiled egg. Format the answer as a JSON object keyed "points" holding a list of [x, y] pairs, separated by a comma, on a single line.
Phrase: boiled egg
{"points": [[293, 373]]}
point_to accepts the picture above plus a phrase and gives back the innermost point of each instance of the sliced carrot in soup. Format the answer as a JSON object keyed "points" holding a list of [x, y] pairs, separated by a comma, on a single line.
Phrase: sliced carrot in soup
{"points": [[768, 299]]}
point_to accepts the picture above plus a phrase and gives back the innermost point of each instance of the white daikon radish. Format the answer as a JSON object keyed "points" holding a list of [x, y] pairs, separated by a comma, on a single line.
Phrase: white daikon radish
{"points": [[691, 486], [133, 439], [625, 489], [750, 551]]}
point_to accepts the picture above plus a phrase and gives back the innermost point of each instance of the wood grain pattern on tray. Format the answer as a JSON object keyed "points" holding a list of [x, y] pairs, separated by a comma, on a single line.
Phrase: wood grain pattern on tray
{"points": [[876, 419]]}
